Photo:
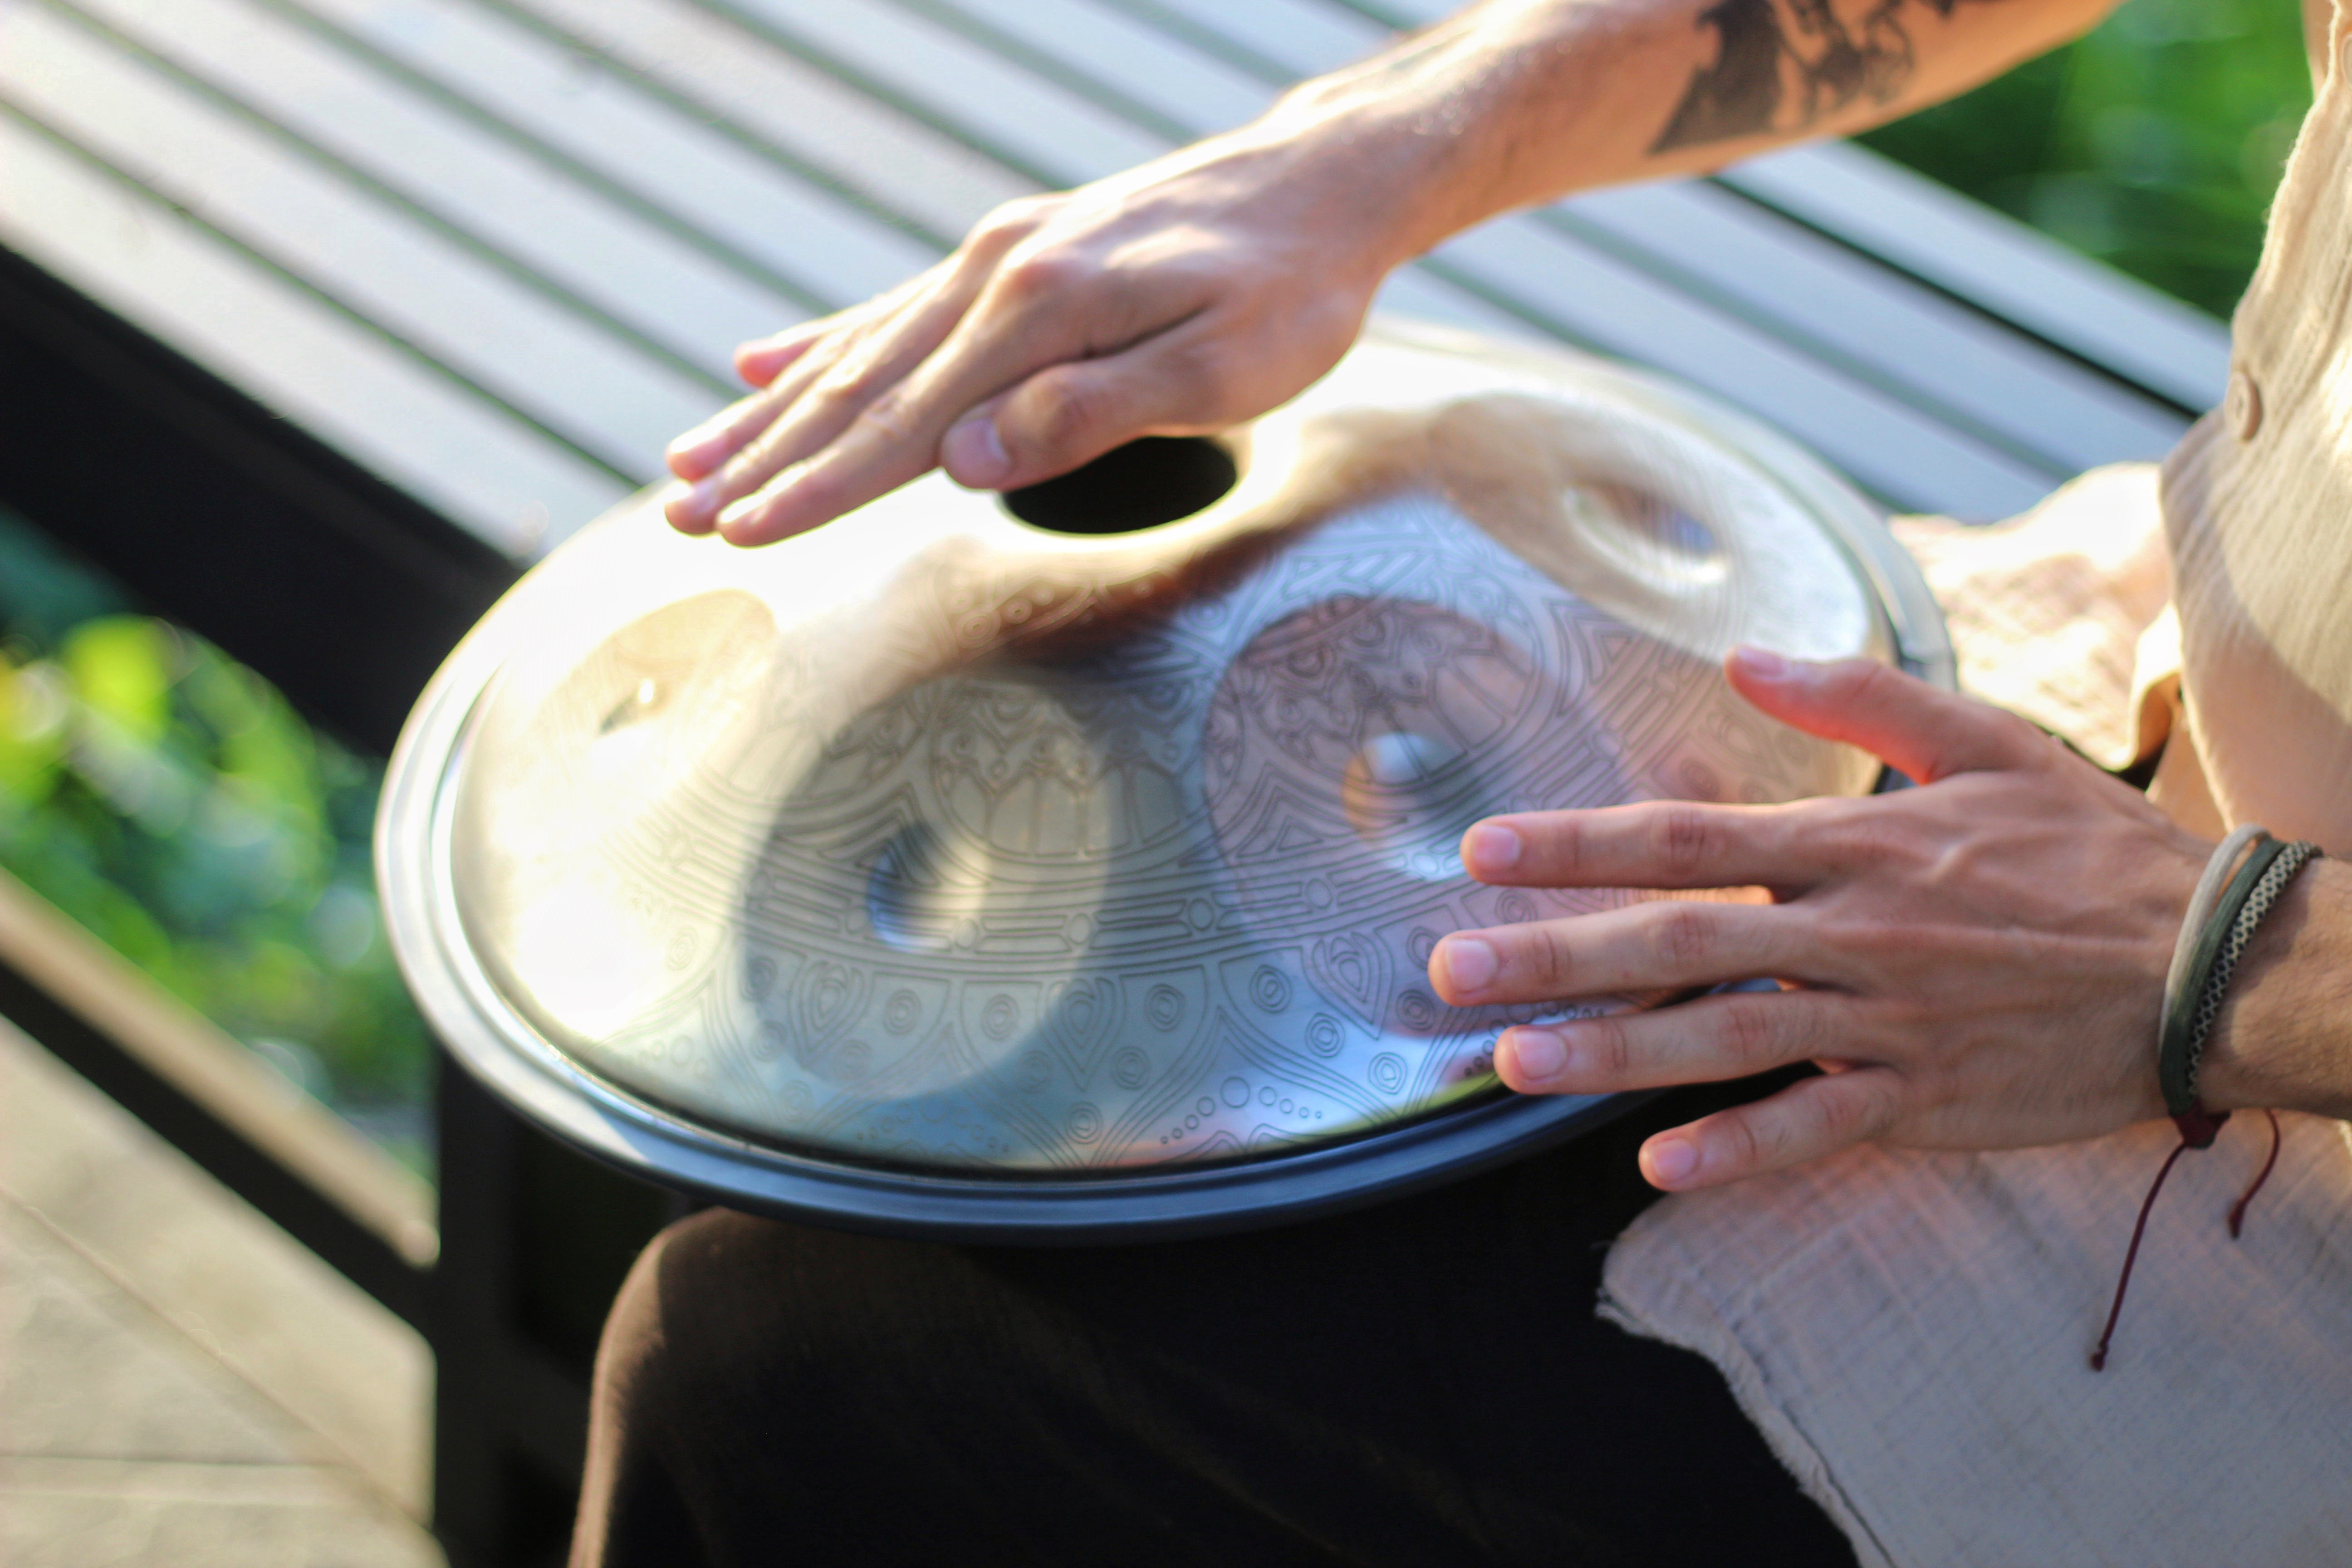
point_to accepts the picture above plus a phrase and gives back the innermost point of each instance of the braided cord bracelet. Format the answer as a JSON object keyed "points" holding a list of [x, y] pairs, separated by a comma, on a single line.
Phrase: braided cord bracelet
{"points": [[2215, 932], [2201, 909], [2191, 1009], [2252, 893]]}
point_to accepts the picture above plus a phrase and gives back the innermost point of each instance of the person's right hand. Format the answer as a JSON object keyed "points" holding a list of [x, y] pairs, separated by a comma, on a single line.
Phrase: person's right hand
{"points": [[1976, 964], [1176, 298]]}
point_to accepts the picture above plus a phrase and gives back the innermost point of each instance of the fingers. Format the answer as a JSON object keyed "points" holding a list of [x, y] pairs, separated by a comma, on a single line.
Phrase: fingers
{"points": [[1070, 414], [812, 346], [859, 374], [903, 364], [761, 360], [1807, 1120], [701, 451], [1731, 1035], [822, 461], [1664, 943], [972, 451], [1062, 411], [1654, 844], [1927, 734]]}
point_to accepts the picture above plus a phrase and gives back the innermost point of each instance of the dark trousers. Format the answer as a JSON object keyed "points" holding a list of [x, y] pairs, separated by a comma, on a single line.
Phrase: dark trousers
{"points": [[1419, 1383]]}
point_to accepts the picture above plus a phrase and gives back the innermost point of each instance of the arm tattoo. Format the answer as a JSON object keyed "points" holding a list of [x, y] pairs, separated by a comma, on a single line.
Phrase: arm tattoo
{"points": [[1781, 64]]}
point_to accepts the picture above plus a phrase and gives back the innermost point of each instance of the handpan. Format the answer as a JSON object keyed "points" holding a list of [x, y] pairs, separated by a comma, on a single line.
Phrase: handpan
{"points": [[1065, 865]]}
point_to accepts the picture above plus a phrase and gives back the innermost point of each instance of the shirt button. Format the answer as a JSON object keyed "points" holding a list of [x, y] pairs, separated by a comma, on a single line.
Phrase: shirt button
{"points": [[2241, 406]]}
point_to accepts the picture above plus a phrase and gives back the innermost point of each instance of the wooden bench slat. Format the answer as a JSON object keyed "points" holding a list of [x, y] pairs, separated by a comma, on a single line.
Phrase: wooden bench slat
{"points": [[1030, 125], [640, 280], [1933, 353], [1393, 17], [599, 118], [1299, 37], [1422, 293], [781, 102], [2000, 265], [1143, 74], [1913, 461], [157, 269], [609, 400]]}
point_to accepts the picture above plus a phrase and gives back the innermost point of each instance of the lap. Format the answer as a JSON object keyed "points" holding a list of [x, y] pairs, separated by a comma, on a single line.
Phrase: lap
{"points": [[1423, 1382]]}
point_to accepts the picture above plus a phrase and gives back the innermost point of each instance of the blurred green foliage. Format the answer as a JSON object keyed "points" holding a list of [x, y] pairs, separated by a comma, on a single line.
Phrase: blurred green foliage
{"points": [[2153, 143], [169, 800]]}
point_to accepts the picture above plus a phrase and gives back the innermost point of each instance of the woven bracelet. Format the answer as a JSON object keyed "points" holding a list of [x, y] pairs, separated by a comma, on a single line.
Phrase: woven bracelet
{"points": [[2203, 981], [2214, 935], [2218, 867]]}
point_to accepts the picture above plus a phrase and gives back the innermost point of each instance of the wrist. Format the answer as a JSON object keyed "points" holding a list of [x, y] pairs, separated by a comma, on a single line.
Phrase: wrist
{"points": [[1496, 108], [2283, 1039], [1373, 175]]}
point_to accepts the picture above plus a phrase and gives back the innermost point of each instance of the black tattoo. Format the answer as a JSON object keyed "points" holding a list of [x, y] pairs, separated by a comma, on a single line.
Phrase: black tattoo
{"points": [[1781, 64]]}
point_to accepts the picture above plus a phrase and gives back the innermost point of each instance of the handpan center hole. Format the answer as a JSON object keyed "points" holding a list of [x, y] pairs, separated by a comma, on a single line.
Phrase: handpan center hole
{"points": [[1149, 481]]}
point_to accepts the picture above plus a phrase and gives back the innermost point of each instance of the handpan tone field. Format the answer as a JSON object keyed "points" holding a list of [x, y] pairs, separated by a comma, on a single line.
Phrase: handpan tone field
{"points": [[944, 873]]}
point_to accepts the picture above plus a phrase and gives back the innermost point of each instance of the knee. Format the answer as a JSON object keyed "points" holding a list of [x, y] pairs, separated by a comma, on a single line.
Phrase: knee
{"points": [[685, 1303], [723, 1308]]}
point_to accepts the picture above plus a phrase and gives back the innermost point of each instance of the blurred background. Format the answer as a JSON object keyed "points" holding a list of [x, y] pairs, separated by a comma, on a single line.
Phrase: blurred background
{"points": [[172, 802], [2154, 144]]}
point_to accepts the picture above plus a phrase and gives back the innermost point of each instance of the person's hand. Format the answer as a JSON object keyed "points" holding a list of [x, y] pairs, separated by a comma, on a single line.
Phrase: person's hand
{"points": [[1177, 298], [1977, 964]]}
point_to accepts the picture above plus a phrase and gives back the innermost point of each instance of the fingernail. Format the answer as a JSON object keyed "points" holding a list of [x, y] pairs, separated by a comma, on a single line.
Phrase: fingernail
{"points": [[1763, 664], [1538, 1054], [693, 503], [973, 454], [1673, 1160], [685, 446], [1469, 962], [776, 490], [1491, 847]]}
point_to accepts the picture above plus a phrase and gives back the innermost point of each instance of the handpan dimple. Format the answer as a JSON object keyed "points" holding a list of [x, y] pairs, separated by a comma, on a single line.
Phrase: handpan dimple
{"points": [[1400, 721], [937, 871]]}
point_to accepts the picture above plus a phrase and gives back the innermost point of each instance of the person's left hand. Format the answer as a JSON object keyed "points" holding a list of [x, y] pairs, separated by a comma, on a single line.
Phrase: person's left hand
{"points": [[1977, 963]]}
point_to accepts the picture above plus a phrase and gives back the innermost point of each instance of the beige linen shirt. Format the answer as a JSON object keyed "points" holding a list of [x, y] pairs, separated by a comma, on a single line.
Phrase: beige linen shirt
{"points": [[1911, 1331]]}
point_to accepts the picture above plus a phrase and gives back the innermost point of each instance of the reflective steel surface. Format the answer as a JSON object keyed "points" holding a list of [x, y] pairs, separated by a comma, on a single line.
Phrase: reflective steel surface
{"points": [[935, 844]]}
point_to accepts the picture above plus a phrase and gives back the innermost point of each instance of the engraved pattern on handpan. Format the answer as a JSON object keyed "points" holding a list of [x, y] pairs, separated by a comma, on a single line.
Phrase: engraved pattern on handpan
{"points": [[1069, 868]]}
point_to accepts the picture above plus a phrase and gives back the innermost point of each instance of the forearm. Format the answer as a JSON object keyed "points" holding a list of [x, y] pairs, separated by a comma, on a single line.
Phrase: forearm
{"points": [[1520, 101], [2284, 1039]]}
